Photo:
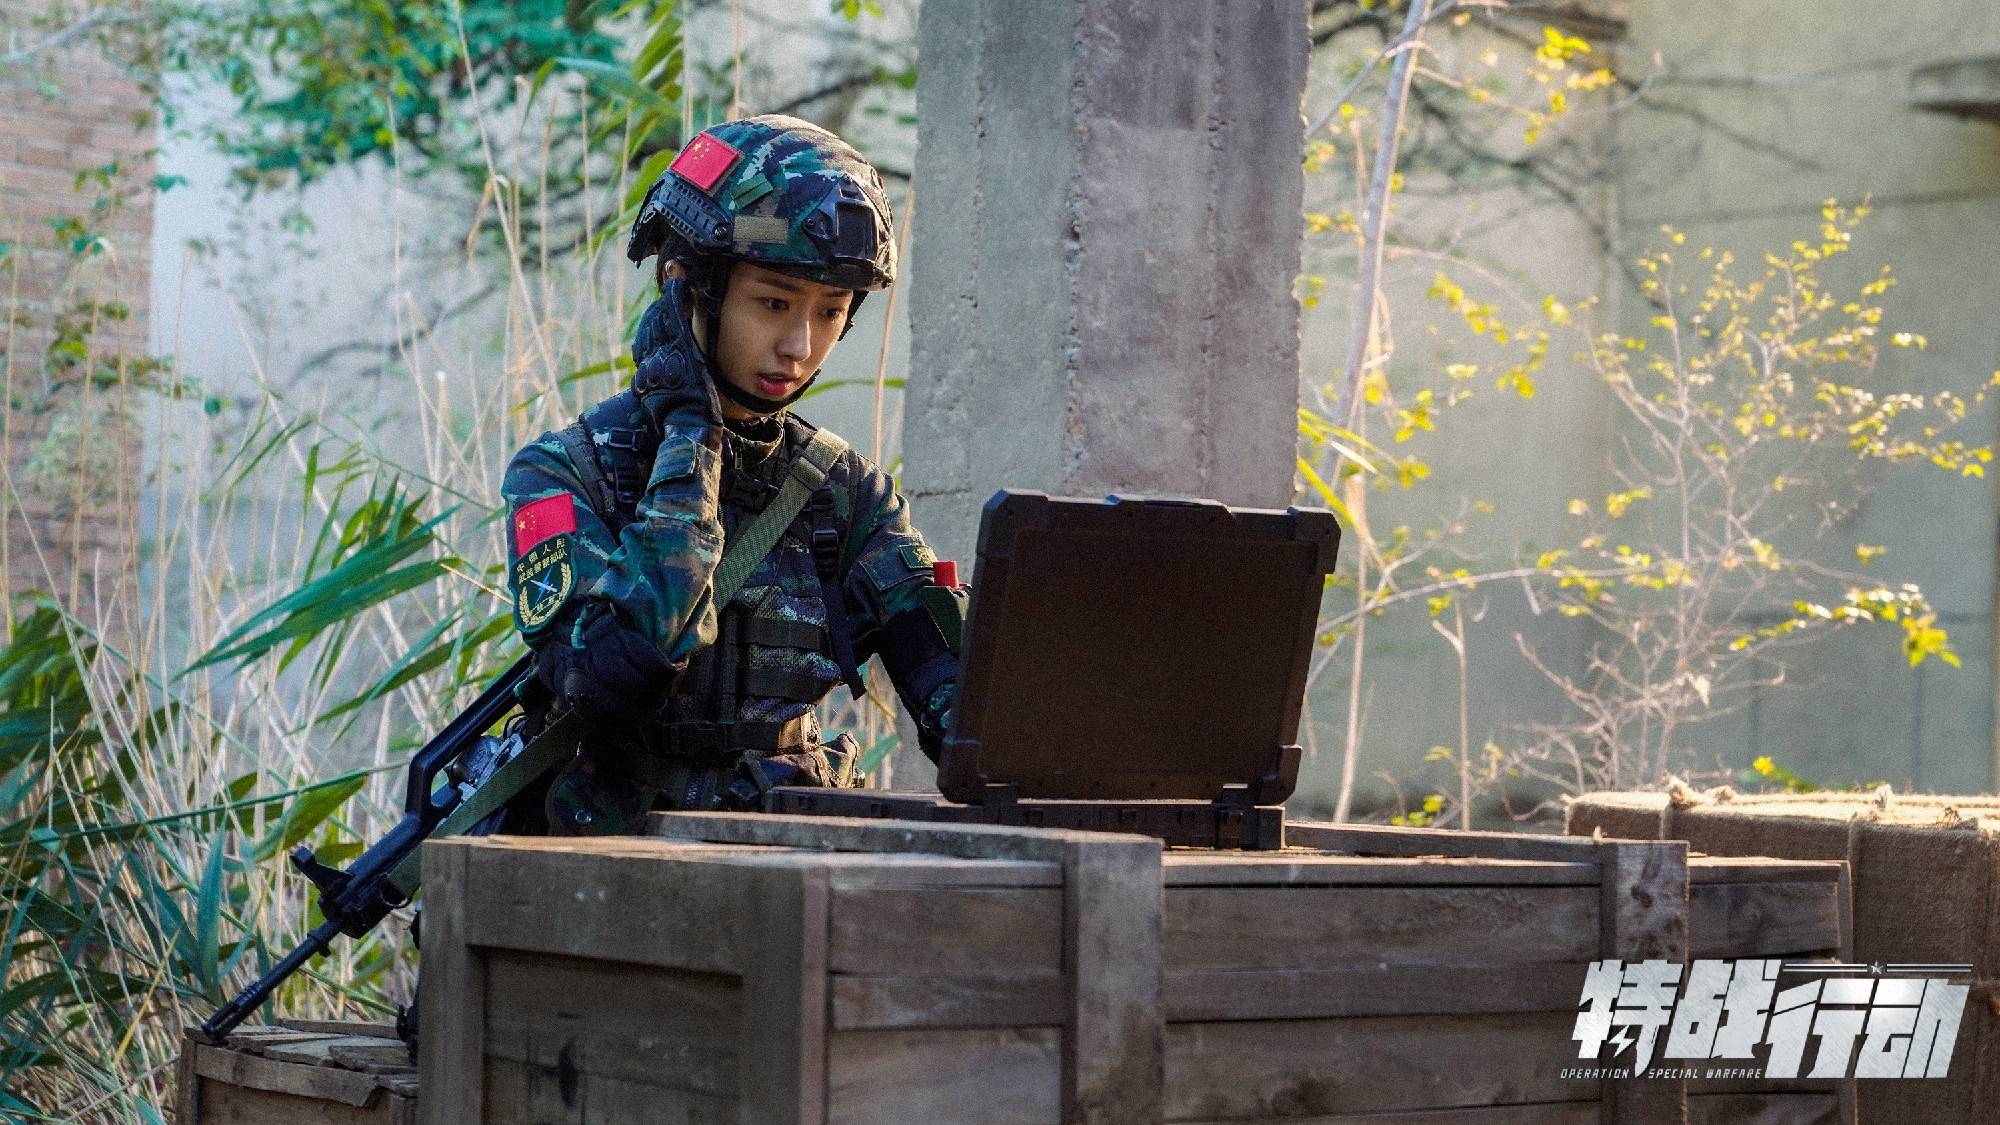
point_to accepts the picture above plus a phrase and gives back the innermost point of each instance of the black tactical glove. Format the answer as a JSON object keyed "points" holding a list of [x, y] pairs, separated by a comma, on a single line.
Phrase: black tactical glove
{"points": [[675, 384]]}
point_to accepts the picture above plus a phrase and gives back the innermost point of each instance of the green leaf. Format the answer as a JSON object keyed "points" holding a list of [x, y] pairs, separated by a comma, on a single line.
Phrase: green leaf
{"points": [[617, 363], [1325, 491], [338, 853], [304, 815], [208, 916], [834, 384], [382, 533], [878, 750], [426, 654], [617, 80], [318, 605], [535, 88]]}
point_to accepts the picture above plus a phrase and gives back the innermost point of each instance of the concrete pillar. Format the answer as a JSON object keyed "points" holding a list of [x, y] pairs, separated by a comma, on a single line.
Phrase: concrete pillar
{"points": [[1108, 221]]}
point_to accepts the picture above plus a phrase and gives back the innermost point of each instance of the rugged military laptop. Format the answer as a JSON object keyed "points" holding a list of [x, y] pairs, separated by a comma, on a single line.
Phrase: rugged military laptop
{"points": [[1135, 665]]}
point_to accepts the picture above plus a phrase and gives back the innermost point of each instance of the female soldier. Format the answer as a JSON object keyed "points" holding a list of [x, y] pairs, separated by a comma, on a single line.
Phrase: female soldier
{"points": [[694, 565]]}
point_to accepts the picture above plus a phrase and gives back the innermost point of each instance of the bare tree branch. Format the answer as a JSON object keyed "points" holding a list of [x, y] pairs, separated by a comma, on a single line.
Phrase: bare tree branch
{"points": [[56, 42]]}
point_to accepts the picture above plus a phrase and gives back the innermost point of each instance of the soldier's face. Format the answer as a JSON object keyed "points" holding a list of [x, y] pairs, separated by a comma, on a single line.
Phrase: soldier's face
{"points": [[776, 331]]}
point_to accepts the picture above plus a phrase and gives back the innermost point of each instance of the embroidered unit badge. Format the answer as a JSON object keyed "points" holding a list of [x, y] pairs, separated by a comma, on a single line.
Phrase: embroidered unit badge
{"points": [[543, 581]]}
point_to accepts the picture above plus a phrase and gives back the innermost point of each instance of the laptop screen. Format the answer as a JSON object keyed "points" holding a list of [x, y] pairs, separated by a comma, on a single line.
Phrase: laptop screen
{"points": [[1134, 648]]}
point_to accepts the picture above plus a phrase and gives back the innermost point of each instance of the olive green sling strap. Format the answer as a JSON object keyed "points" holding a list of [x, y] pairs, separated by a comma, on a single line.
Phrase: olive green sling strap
{"points": [[754, 541]]}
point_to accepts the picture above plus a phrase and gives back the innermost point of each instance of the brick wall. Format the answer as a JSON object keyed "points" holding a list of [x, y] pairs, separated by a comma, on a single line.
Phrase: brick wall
{"points": [[69, 456]]}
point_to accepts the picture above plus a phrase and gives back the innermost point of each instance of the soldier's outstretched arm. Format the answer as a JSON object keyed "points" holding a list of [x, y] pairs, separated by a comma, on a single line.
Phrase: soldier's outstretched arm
{"points": [[914, 632]]}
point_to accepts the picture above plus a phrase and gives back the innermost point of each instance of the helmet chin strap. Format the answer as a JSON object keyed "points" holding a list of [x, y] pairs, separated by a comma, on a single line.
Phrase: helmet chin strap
{"points": [[757, 403]]}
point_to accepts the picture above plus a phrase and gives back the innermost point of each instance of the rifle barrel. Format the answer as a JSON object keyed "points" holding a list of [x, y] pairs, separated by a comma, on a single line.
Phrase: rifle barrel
{"points": [[218, 1026]]}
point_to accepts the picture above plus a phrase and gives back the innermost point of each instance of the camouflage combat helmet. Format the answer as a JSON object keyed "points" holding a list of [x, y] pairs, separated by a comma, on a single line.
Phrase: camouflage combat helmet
{"points": [[777, 191]]}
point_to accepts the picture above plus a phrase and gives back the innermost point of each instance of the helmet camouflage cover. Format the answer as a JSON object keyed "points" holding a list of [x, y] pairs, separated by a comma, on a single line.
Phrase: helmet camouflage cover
{"points": [[777, 191]]}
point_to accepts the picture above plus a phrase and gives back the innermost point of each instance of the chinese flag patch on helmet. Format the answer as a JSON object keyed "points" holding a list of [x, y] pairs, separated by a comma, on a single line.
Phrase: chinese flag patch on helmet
{"points": [[704, 161], [545, 518]]}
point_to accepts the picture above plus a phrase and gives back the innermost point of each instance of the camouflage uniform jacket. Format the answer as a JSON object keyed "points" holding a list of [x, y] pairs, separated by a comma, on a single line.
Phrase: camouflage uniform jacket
{"points": [[730, 684]]}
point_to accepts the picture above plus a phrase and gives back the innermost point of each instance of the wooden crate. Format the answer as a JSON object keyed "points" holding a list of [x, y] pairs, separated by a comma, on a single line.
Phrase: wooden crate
{"points": [[811, 969], [1926, 878], [654, 979], [1648, 904], [322, 1073]]}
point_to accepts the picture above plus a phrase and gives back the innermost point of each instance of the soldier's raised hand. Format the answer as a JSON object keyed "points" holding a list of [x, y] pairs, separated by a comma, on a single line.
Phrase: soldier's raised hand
{"points": [[673, 380]]}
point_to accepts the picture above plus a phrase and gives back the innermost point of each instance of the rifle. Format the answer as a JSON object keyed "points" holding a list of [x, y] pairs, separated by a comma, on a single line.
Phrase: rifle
{"points": [[482, 774]]}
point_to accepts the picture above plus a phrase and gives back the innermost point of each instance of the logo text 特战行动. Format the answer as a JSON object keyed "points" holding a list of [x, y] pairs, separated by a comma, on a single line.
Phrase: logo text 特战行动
{"points": [[1837, 1021]]}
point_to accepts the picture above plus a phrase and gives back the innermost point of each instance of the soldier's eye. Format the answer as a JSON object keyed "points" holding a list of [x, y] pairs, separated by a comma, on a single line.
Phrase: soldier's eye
{"points": [[776, 304], [833, 314]]}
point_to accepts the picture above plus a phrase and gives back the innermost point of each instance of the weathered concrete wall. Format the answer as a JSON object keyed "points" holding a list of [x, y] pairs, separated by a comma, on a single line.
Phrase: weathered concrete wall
{"points": [[1106, 237], [1758, 114]]}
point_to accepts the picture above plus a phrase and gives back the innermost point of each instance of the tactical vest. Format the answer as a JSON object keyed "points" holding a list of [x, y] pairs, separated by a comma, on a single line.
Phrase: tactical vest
{"points": [[759, 654]]}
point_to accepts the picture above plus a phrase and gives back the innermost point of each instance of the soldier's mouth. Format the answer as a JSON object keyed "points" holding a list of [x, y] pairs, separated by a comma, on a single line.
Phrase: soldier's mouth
{"points": [[775, 386]]}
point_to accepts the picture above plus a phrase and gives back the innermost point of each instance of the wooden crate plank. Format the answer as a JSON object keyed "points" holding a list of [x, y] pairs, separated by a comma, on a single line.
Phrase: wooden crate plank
{"points": [[947, 930], [1644, 917], [1760, 919], [1387, 840], [187, 1084], [380, 1030], [1759, 869], [1114, 1049], [222, 1104], [867, 869], [1006, 1076], [1616, 816], [886, 837], [1323, 927], [379, 1056], [319, 1051], [881, 1002], [782, 1049], [452, 1000], [1189, 869], [1370, 990], [1645, 889], [598, 1019], [1298, 1068], [522, 1093], [256, 1042], [401, 1085], [1765, 1109], [320, 1083], [855, 871], [581, 901]]}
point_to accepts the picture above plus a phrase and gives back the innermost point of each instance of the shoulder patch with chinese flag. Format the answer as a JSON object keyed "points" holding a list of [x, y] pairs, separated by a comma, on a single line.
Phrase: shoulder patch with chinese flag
{"points": [[704, 161], [541, 520]]}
